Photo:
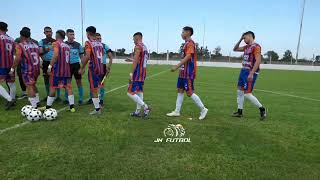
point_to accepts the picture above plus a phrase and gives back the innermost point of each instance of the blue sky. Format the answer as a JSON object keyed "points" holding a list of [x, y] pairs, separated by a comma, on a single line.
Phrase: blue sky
{"points": [[275, 22]]}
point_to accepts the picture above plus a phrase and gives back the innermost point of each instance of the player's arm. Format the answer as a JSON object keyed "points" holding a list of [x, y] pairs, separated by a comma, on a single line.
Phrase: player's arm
{"points": [[189, 52], [110, 56], [85, 58], [17, 58], [257, 55], [136, 57], [54, 57], [237, 46]]}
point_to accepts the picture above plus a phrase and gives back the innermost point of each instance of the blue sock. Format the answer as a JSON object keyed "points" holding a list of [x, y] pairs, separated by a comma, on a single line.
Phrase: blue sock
{"points": [[80, 89], [102, 92], [66, 95], [58, 93]]}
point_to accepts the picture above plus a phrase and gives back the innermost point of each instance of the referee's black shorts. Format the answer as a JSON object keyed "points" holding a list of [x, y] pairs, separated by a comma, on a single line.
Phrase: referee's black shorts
{"points": [[74, 69]]}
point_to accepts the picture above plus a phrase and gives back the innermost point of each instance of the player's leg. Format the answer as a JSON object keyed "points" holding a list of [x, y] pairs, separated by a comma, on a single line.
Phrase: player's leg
{"points": [[78, 78], [240, 94], [12, 89], [133, 88], [6, 95], [46, 77], [21, 82], [68, 89], [102, 94], [54, 84], [196, 99], [94, 81], [138, 109], [180, 97], [31, 91]]}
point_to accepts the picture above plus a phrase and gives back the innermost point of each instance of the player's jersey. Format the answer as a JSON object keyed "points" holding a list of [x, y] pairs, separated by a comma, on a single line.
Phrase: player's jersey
{"points": [[6, 51], [249, 56], [96, 50], [30, 59], [189, 69], [62, 67], [141, 70], [47, 43], [106, 51], [75, 51]]}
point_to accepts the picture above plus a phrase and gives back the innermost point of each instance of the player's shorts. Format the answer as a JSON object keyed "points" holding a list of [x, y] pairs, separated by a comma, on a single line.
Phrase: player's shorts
{"points": [[45, 65], [244, 84], [74, 70], [186, 84], [60, 82], [135, 87], [5, 76], [29, 79], [94, 80]]}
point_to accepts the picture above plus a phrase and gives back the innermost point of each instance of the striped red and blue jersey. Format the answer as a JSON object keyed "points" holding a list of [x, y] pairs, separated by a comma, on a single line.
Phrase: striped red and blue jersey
{"points": [[249, 59], [30, 59], [62, 66], [188, 70], [6, 50], [96, 51], [140, 72]]}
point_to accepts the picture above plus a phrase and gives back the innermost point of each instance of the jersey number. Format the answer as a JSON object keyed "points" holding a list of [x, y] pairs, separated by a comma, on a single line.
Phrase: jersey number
{"points": [[35, 58], [67, 56]]}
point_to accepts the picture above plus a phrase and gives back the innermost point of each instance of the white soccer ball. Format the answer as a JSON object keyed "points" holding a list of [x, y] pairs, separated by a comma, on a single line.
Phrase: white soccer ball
{"points": [[34, 115], [50, 114], [26, 110]]}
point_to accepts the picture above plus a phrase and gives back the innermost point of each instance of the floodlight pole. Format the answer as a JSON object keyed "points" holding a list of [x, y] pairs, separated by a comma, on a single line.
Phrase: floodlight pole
{"points": [[82, 22], [301, 23], [158, 35]]}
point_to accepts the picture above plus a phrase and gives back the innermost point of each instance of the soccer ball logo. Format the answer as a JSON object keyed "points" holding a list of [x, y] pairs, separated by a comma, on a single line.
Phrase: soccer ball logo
{"points": [[174, 131]]}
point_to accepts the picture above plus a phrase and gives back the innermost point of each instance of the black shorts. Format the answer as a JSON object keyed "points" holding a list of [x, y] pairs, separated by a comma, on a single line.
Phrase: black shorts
{"points": [[74, 69], [45, 65]]}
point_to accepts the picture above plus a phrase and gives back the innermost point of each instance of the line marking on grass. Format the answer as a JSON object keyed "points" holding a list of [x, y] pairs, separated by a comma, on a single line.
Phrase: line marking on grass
{"points": [[64, 108], [289, 95]]}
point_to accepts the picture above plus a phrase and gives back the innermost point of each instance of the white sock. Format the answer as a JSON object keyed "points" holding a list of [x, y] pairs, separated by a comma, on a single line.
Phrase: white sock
{"points": [[179, 101], [37, 97], [5, 94], [240, 99], [50, 100], [253, 99], [140, 94], [33, 101], [71, 99], [13, 89], [96, 102], [197, 100], [138, 100]]}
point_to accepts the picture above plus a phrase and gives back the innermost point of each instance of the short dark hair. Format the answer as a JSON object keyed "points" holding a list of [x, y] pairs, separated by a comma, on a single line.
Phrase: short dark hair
{"points": [[3, 26], [47, 27], [70, 31], [26, 29], [25, 33], [98, 34], [91, 29], [138, 34], [61, 33], [188, 28], [251, 33]]}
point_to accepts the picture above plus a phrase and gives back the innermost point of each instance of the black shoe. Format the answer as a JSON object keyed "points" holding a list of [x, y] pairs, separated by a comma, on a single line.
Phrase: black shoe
{"points": [[134, 114], [9, 105], [44, 99], [89, 101], [238, 113], [263, 113]]}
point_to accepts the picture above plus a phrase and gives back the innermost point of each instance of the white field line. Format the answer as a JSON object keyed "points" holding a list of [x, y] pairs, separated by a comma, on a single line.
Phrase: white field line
{"points": [[64, 108], [289, 95]]}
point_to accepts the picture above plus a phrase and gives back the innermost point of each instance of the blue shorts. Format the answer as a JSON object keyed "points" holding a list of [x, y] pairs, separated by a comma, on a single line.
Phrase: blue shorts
{"points": [[135, 87], [243, 83], [60, 82], [94, 80], [186, 84], [5, 76], [30, 79]]}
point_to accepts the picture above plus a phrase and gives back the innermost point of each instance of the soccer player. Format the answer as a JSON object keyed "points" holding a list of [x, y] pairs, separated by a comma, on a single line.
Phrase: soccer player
{"points": [[21, 82], [27, 55], [106, 65], [59, 70], [137, 76], [249, 73], [187, 75], [46, 52], [7, 46], [76, 51], [94, 52]]}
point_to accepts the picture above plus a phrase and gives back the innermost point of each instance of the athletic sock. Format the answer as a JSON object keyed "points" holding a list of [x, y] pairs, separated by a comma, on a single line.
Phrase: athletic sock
{"points": [[96, 103], [37, 98], [179, 101], [5, 94], [197, 100], [138, 109], [253, 100], [33, 101], [80, 89], [240, 99], [102, 93], [138, 100], [47, 88], [71, 99], [58, 93], [13, 89], [50, 101], [66, 96]]}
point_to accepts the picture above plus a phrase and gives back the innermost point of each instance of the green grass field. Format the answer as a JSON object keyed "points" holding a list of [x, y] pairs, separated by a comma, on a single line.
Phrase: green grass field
{"points": [[116, 146]]}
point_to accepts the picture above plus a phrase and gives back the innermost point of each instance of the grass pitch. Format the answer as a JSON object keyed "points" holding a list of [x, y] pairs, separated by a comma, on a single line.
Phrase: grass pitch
{"points": [[116, 146]]}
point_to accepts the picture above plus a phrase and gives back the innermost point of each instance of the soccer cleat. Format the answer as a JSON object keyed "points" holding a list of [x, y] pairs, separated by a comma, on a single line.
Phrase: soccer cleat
{"points": [[173, 114], [72, 110], [135, 114], [238, 113], [147, 112], [9, 105], [263, 113], [203, 113], [95, 112]]}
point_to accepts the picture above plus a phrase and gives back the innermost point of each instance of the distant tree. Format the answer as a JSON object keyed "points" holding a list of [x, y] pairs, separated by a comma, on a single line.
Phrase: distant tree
{"points": [[318, 58], [217, 51], [274, 56], [287, 56], [121, 52]]}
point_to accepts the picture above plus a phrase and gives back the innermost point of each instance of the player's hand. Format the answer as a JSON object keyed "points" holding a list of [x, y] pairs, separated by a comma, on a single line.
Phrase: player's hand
{"points": [[81, 71], [130, 77], [11, 72], [49, 69], [173, 68], [250, 77]]}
